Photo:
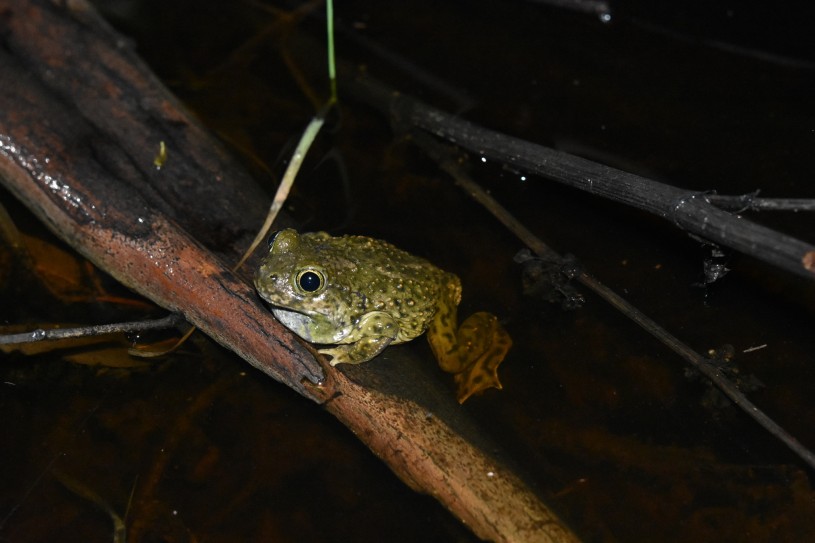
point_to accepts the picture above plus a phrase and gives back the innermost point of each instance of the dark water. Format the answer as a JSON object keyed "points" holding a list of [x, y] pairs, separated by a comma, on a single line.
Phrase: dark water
{"points": [[601, 418]]}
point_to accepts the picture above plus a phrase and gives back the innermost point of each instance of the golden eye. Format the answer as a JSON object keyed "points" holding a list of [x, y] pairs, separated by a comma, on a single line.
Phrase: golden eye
{"points": [[310, 280]]}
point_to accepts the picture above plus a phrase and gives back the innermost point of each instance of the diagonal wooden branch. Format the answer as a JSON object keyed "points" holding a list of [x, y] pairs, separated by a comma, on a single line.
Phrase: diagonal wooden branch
{"points": [[81, 119]]}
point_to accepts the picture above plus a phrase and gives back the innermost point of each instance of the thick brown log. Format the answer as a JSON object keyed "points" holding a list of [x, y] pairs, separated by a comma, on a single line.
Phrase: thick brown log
{"points": [[81, 119], [52, 162], [428, 455]]}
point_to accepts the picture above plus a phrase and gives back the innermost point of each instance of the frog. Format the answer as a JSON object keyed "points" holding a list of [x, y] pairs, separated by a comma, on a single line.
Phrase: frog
{"points": [[358, 295]]}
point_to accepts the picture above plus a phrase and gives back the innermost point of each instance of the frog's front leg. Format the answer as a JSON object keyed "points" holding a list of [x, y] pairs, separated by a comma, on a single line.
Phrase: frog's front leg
{"points": [[376, 331]]}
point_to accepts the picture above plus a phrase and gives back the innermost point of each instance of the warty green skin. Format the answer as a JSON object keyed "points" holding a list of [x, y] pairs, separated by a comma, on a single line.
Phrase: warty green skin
{"points": [[371, 295]]}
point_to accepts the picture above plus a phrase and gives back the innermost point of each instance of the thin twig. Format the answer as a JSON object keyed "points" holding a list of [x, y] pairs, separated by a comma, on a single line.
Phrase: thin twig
{"points": [[444, 158], [41, 334]]}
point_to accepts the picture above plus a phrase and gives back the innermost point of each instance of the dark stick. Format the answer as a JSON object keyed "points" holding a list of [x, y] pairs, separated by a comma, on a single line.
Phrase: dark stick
{"points": [[701, 364], [689, 210], [446, 161]]}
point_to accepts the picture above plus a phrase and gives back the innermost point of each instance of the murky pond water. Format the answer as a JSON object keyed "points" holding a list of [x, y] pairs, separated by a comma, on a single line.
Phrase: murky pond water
{"points": [[605, 423]]}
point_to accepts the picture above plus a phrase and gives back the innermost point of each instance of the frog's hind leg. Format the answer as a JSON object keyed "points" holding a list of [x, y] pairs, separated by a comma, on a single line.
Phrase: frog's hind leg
{"points": [[487, 344], [473, 352]]}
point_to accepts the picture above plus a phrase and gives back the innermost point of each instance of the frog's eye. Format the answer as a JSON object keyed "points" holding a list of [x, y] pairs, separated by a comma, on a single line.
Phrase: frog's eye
{"points": [[310, 280]]}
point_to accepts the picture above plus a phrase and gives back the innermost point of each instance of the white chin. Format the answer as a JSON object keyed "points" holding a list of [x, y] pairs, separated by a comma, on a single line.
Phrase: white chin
{"points": [[296, 322]]}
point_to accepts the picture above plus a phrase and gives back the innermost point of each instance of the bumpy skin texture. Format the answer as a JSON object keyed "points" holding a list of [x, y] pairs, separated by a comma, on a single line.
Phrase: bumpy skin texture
{"points": [[363, 294]]}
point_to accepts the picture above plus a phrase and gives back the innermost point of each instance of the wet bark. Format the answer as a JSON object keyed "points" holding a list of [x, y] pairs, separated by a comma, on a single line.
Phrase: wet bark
{"points": [[81, 120]]}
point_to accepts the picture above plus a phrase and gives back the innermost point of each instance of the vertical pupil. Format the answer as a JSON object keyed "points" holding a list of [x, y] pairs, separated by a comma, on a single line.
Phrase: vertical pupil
{"points": [[310, 281]]}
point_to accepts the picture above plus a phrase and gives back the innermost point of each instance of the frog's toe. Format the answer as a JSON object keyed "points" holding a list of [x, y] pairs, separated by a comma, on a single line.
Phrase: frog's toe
{"points": [[483, 372], [478, 377], [358, 352], [338, 355], [344, 354]]}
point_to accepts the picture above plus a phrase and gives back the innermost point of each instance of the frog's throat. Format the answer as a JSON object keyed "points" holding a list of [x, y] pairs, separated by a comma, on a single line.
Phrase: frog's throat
{"points": [[305, 326]]}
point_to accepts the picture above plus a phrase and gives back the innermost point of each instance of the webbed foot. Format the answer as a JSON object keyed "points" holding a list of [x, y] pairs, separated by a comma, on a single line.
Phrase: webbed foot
{"points": [[483, 345]]}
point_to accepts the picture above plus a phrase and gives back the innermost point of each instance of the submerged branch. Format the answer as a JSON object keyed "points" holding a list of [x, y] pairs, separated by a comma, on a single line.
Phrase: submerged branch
{"points": [[98, 330], [446, 161]]}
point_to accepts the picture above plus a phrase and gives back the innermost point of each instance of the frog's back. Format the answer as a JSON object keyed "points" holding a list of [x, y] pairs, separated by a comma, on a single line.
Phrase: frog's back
{"points": [[394, 281]]}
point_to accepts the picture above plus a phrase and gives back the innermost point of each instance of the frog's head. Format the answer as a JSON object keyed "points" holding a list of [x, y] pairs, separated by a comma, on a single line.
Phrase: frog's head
{"points": [[296, 279]]}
